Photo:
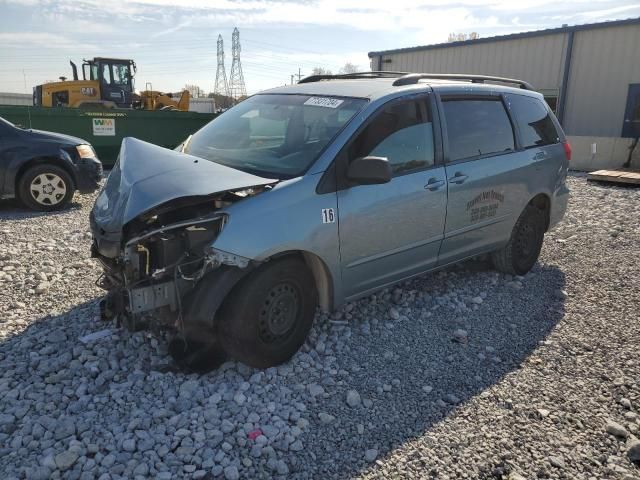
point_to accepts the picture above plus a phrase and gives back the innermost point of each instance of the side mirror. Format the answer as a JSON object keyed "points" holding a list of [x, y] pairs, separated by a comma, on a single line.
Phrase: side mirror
{"points": [[369, 170]]}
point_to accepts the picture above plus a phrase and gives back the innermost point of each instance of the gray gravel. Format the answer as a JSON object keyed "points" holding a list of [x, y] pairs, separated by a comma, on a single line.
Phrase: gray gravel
{"points": [[465, 373]]}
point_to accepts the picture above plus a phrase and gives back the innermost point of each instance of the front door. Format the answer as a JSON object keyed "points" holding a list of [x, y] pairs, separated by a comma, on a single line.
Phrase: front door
{"points": [[631, 125], [392, 231]]}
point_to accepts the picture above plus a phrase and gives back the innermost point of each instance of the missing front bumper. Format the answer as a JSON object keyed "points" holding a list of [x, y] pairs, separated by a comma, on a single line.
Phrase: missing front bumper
{"points": [[144, 299]]}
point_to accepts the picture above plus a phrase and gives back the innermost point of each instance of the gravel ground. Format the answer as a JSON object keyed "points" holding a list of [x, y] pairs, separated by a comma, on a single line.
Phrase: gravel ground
{"points": [[465, 373]]}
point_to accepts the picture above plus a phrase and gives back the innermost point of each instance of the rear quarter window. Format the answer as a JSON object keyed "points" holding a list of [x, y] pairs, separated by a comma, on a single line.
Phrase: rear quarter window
{"points": [[477, 127], [534, 121]]}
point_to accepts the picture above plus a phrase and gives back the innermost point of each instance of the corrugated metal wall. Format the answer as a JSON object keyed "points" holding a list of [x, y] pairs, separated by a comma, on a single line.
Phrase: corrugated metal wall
{"points": [[604, 62], [202, 105], [539, 60], [7, 98]]}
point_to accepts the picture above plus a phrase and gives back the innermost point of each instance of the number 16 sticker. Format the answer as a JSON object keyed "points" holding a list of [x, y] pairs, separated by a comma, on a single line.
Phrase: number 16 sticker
{"points": [[328, 215]]}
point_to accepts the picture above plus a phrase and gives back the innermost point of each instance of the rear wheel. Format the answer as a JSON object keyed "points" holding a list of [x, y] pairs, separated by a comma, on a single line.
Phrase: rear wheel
{"points": [[266, 318], [523, 249], [45, 187]]}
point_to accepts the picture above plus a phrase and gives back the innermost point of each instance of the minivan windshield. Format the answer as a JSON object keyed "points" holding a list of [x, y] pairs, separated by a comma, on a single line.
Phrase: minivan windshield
{"points": [[274, 135]]}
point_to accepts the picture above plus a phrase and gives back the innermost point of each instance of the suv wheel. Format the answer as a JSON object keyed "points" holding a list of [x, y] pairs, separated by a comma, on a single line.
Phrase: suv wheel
{"points": [[266, 318], [45, 188], [523, 249]]}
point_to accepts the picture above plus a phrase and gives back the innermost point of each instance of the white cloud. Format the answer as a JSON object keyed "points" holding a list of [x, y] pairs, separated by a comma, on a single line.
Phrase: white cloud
{"points": [[35, 39], [604, 13], [370, 16], [174, 40]]}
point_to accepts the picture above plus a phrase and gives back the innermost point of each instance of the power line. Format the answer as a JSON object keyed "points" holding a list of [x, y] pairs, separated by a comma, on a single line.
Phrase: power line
{"points": [[188, 44]]}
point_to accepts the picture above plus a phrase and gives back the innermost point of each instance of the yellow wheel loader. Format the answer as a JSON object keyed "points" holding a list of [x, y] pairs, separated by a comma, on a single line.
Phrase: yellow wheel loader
{"points": [[106, 83], [153, 100]]}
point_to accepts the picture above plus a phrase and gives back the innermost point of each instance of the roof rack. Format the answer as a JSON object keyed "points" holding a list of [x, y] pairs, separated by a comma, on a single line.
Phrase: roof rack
{"points": [[412, 78], [346, 76], [406, 78]]}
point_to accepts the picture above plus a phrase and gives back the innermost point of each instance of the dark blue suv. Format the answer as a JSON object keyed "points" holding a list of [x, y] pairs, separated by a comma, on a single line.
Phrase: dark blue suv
{"points": [[44, 169]]}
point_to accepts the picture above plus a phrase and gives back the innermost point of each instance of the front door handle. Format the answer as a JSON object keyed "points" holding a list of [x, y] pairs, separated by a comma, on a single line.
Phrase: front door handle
{"points": [[458, 178], [433, 184]]}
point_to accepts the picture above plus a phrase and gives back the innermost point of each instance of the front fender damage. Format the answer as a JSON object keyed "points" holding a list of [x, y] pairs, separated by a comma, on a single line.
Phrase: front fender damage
{"points": [[166, 272]]}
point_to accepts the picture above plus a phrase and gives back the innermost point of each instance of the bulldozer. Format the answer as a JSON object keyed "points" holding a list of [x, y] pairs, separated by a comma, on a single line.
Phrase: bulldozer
{"points": [[106, 83]]}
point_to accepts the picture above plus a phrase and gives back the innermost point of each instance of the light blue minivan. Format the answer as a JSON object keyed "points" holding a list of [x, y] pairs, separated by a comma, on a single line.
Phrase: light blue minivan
{"points": [[319, 193]]}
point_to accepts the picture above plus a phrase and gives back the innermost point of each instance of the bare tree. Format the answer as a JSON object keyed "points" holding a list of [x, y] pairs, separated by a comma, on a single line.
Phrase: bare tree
{"points": [[222, 101], [321, 71], [349, 68], [194, 90]]}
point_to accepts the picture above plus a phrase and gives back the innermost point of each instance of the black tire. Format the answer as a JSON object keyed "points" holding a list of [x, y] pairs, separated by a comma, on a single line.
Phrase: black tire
{"points": [[266, 318], [522, 252], [59, 180]]}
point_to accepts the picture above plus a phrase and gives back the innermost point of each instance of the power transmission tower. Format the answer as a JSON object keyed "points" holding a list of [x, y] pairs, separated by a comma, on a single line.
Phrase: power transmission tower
{"points": [[221, 87], [237, 88]]}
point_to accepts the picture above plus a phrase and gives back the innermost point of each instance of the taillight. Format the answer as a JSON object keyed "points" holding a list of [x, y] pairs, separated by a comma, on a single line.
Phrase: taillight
{"points": [[567, 150]]}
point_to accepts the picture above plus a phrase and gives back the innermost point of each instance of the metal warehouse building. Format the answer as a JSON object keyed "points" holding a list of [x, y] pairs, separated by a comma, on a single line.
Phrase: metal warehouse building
{"points": [[589, 74]]}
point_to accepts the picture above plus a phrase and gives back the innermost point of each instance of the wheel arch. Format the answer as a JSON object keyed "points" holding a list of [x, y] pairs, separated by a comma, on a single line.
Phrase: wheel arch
{"points": [[44, 160], [542, 202], [203, 302], [321, 275]]}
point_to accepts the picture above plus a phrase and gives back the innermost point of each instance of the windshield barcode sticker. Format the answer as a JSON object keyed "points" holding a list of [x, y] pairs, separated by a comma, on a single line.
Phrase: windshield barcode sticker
{"points": [[324, 102]]}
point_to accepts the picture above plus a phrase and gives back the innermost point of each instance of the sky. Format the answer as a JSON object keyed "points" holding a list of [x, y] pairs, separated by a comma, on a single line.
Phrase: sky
{"points": [[174, 42]]}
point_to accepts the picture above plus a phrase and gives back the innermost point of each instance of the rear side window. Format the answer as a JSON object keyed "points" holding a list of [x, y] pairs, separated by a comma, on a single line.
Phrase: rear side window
{"points": [[533, 120], [477, 127], [401, 132]]}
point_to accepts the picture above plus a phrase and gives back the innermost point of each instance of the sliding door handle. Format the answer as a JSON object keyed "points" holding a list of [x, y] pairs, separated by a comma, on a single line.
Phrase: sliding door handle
{"points": [[434, 184], [458, 178]]}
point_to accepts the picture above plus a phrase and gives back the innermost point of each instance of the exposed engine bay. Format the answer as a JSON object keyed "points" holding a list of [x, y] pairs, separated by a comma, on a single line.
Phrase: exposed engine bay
{"points": [[163, 254]]}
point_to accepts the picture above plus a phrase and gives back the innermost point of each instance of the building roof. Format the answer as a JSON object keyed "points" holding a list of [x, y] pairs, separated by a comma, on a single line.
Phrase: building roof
{"points": [[512, 36]]}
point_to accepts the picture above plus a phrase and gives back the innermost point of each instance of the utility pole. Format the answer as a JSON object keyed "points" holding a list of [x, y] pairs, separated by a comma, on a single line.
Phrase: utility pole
{"points": [[298, 75]]}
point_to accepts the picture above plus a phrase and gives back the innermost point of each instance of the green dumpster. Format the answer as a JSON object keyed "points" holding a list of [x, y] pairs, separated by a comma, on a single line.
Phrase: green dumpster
{"points": [[105, 129]]}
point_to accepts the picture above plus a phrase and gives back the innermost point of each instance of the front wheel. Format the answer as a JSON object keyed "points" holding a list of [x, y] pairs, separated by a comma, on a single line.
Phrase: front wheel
{"points": [[45, 187], [522, 252], [266, 318]]}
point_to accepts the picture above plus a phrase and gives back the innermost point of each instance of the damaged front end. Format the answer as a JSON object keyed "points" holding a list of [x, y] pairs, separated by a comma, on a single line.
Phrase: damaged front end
{"points": [[162, 259], [156, 250]]}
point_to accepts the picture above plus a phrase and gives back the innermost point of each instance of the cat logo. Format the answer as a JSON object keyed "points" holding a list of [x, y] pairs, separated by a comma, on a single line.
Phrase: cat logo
{"points": [[88, 91]]}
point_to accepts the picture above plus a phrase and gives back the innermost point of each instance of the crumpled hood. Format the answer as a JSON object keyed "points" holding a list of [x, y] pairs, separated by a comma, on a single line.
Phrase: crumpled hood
{"points": [[147, 176]]}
